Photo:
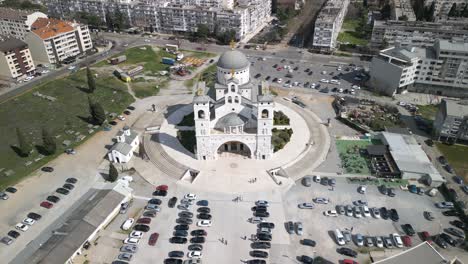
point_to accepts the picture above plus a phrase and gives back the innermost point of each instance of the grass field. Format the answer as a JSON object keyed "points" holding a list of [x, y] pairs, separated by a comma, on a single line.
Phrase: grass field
{"points": [[428, 111], [208, 75], [351, 33], [148, 57], [351, 158], [457, 157], [69, 112]]}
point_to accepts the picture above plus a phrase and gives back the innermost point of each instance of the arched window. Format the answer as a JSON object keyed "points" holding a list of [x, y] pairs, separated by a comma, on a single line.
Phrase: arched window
{"points": [[233, 88], [229, 99], [265, 113], [236, 99], [201, 114]]}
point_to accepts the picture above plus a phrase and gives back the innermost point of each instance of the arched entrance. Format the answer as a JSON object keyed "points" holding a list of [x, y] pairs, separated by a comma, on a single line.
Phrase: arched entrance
{"points": [[233, 149]]}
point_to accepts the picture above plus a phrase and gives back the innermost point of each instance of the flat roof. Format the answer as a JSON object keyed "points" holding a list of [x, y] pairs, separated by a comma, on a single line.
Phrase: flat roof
{"points": [[455, 107], [8, 44], [453, 46], [423, 253]]}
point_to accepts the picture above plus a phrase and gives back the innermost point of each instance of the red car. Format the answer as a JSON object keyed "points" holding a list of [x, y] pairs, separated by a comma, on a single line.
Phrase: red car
{"points": [[162, 188], [349, 261], [279, 68], [46, 204], [406, 241], [145, 220], [426, 237], [153, 239]]}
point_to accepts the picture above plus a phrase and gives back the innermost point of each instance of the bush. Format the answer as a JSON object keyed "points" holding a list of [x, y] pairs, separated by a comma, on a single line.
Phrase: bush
{"points": [[280, 119], [280, 138]]}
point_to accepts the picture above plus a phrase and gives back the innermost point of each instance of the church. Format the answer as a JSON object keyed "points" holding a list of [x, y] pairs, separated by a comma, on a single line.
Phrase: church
{"points": [[234, 116]]}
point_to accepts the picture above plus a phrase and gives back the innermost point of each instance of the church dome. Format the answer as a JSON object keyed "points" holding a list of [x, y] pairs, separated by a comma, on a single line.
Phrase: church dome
{"points": [[233, 59], [231, 119]]}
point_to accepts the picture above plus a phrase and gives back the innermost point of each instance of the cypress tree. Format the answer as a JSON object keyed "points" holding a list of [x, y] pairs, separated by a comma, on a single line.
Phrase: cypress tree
{"points": [[49, 144], [98, 115], [24, 145], [91, 81], [113, 173]]}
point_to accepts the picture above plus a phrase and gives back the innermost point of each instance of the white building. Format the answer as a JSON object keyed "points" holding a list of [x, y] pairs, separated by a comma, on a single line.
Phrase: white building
{"points": [[402, 10], [54, 40], [442, 7], [234, 116], [441, 69], [328, 24], [127, 143], [15, 59], [17, 23]]}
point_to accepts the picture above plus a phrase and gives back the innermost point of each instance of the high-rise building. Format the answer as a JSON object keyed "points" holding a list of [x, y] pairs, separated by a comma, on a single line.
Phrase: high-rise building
{"points": [[17, 23], [328, 24], [15, 58], [451, 122]]}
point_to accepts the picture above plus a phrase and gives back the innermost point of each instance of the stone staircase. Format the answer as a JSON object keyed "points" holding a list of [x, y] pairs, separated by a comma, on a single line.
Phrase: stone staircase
{"points": [[159, 157]]}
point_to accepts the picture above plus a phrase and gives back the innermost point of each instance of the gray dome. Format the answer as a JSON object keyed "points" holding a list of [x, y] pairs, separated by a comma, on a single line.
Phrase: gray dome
{"points": [[233, 59], [231, 119]]}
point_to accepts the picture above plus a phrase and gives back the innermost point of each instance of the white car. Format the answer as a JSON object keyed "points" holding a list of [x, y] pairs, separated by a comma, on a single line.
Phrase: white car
{"points": [[147, 40], [279, 80], [306, 206], [376, 212], [324, 72], [397, 239], [357, 87], [136, 234], [324, 81], [332, 213], [334, 82], [362, 189], [28, 78], [45, 71], [256, 220], [128, 224], [262, 203], [72, 68], [357, 212], [204, 223], [131, 240], [127, 178], [190, 196], [317, 178], [121, 117], [365, 211], [29, 221], [379, 242], [194, 254], [22, 227]]}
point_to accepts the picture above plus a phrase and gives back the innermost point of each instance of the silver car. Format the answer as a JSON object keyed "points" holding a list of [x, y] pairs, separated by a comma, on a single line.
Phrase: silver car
{"points": [[306, 206], [153, 207], [321, 200], [6, 240], [299, 229], [129, 248], [349, 210], [369, 241], [125, 256]]}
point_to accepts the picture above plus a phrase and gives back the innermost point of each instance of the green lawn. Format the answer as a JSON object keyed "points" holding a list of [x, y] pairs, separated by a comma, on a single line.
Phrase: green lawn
{"points": [[428, 111], [32, 113], [457, 157], [208, 75], [351, 158], [350, 24], [352, 37], [198, 54], [146, 56]]}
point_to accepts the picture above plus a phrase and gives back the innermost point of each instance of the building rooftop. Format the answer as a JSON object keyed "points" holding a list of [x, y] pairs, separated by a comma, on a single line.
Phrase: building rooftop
{"points": [[13, 14], [423, 253], [233, 59], [8, 44], [455, 107], [406, 54], [121, 147], [231, 119], [448, 45], [47, 28]]}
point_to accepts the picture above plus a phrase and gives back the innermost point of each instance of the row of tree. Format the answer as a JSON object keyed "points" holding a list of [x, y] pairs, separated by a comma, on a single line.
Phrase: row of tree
{"points": [[203, 33], [456, 12]]}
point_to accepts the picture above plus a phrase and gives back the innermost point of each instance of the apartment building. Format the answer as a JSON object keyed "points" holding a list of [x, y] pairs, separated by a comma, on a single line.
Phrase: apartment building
{"points": [[15, 58], [328, 24], [442, 7], [441, 69], [17, 23], [402, 10], [416, 33], [451, 122], [175, 16], [54, 40]]}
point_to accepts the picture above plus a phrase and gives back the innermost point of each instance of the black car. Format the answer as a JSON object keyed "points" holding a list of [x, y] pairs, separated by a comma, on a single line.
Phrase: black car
{"points": [[198, 240], [181, 227], [264, 237], [195, 247], [324, 181], [391, 192], [307, 70], [173, 261], [53, 198], [176, 254], [394, 215], [275, 66], [259, 208], [202, 203], [255, 261], [63, 191], [68, 186], [198, 232], [442, 160], [258, 254], [257, 75], [184, 221], [113, 123], [308, 242], [155, 201], [204, 210], [261, 214], [296, 68], [408, 229], [306, 259], [142, 228], [34, 216], [160, 193], [150, 213], [266, 225], [455, 232], [186, 214], [384, 213], [453, 194], [260, 245], [178, 240], [172, 202], [383, 189], [204, 216], [458, 224], [14, 234], [347, 252], [275, 80], [457, 179], [441, 242], [449, 168], [180, 233], [130, 107], [71, 180], [47, 169], [451, 213], [11, 190], [335, 89], [448, 239]]}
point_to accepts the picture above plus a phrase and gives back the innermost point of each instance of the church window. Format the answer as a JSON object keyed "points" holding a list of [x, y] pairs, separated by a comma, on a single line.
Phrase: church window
{"points": [[236, 99], [229, 99], [233, 88], [201, 114], [265, 113]]}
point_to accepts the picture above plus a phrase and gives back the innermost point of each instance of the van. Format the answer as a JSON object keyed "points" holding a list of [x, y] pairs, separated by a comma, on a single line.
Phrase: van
{"points": [[339, 237]]}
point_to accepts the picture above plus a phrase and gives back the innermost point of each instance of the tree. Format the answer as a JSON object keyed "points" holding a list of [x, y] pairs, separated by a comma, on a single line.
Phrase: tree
{"points": [[429, 14], [386, 11], [403, 18], [202, 31], [119, 20], [91, 81], [24, 146], [98, 114], [109, 20], [453, 11], [464, 12], [49, 145], [113, 173]]}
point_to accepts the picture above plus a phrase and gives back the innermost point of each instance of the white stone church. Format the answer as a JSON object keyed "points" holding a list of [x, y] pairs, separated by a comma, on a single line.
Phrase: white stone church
{"points": [[234, 116]]}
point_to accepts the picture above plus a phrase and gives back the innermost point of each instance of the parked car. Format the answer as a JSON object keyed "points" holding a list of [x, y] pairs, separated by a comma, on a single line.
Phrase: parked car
{"points": [[197, 240], [440, 242], [128, 224], [455, 232], [407, 241], [289, 227], [376, 212], [308, 242], [458, 224], [408, 228], [129, 248], [425, 236], [397, 240], [198, 232], [332, 213], [321, 200], [144, 220], [150, 213], [22, 227], [155, 201], [34, 216], [202, 203], [178, 240], [47, 169], [46, 204], [53, 199], [379, 242], [62, 191], [131, 240], [306, 206], [6, 240], [260, 245], [4, 196], [347, 252], [71, 180], [429, 215], [394, 215], [359, 239], [306, 181], [448, 239], [388, 242], [259, 254], [176, 254], [172, 202], [180, 233], [204, 223], [369, 241], [299, 228], [143, 228]]}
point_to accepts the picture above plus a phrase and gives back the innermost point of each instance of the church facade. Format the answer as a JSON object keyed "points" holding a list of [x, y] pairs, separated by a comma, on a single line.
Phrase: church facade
{"points": [[234, 116]]}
